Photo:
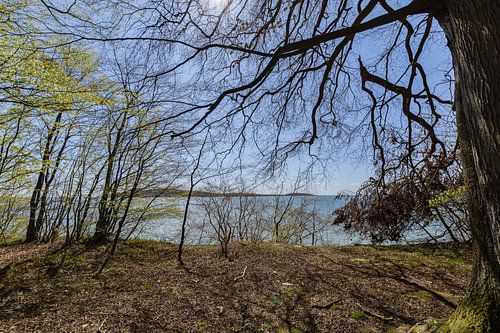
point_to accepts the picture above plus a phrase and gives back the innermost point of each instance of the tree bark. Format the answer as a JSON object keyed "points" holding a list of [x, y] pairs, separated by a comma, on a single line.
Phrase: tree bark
{"points": [[101, 234], [471, 28], [33, 229]]}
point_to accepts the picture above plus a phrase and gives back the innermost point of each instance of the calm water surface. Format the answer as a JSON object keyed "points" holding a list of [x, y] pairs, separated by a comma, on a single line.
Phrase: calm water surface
{"points": [[168, 228]]}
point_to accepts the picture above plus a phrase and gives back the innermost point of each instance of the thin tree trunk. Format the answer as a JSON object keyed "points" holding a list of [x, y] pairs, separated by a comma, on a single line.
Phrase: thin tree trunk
{"points": [[48, 179], [192, 184], [32, 231], [472, 31], [101, 233], [446, 226]]}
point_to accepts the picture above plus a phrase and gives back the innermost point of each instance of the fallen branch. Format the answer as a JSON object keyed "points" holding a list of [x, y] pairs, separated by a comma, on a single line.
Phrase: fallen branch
{"points": [[374, 314], [326, 306], [100, 330], [242, 274]]}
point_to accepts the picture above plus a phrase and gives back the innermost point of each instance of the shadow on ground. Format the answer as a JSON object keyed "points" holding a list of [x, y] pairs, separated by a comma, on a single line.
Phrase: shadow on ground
{"points": [[265, 288]]}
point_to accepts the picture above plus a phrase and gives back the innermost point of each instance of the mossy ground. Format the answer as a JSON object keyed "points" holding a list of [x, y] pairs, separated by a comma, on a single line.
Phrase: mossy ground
{"points": [[284, 288], [473, 316]]}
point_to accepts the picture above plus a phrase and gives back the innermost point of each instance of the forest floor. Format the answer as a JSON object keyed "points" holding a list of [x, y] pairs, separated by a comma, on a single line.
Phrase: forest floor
{"points": [[264, 288]]}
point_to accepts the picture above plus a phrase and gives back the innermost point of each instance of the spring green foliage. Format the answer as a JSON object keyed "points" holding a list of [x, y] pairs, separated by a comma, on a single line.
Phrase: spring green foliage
{"points": [[41, 74], [38, 80], [447, 196], [59, 118]]}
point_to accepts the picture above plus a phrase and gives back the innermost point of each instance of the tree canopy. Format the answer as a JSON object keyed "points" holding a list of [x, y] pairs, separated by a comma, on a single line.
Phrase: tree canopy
{"points": [[415, 83]]}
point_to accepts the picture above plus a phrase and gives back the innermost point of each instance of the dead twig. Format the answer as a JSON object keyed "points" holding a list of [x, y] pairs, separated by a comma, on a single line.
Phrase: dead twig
{"points": [[326, 306], [374, 314], [242, 274], [100, 330]]}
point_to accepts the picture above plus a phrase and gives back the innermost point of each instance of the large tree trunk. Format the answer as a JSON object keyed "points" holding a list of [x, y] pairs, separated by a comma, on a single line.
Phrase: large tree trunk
{"points": [[472, 31]]}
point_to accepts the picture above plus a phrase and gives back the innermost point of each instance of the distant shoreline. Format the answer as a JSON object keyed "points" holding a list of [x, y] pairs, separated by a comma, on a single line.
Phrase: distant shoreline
{"points": [[204, 194]]}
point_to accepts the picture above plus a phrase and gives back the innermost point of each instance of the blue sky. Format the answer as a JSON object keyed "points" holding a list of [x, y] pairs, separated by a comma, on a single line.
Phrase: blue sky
{"points": [[343, 171]]}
